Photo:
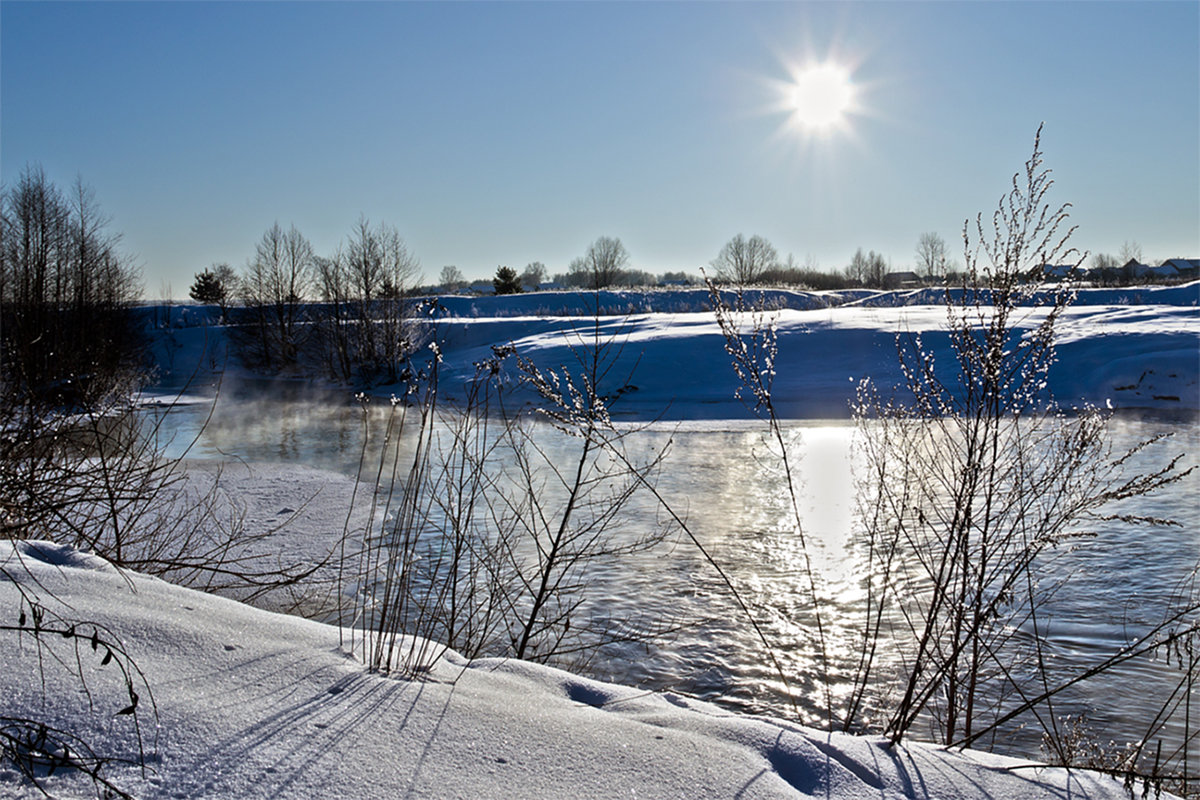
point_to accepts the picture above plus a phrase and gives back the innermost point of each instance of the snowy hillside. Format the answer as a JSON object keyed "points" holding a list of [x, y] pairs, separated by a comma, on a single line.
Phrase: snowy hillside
{"points": [[248, 704], [1133, 348]]}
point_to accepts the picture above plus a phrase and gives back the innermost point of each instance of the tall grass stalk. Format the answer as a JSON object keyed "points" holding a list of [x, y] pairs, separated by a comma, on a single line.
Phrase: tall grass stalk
{"points": [[481, 539], [752, 343]]}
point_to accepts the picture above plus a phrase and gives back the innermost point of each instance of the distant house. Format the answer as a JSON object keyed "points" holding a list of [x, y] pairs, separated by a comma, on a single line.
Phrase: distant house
{"points": [[482, 287], [902, 280], [1134, 270], [1165, 271], [1057, 272], [1185, 267]]}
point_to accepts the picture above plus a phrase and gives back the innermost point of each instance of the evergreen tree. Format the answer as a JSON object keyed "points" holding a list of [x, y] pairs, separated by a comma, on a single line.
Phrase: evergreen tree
{"points": [[506, 281], [208, 289]]}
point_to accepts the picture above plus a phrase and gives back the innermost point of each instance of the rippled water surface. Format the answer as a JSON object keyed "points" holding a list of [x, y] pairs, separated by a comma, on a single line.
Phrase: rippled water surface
{"points": [[725, 480]]}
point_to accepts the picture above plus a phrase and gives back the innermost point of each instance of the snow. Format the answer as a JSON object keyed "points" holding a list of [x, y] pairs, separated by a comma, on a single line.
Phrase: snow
{"points": [[1122, 356], [252, 704], [1129, 348]]}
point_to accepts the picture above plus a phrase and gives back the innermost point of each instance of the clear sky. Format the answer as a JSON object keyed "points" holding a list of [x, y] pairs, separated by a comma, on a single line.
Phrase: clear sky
{"points": [[504, 133]]}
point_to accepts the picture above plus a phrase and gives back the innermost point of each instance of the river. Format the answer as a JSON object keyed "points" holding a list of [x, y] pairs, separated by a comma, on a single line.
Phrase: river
{"points": [[723, 478]]}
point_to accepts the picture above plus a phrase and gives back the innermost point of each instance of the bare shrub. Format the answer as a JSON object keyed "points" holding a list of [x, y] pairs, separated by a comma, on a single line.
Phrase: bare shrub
{"points": [[975, 481], [99, 481], [752, 344], [81, 468], [483, 540], [424, 579], [983, 477], [571, 513]]}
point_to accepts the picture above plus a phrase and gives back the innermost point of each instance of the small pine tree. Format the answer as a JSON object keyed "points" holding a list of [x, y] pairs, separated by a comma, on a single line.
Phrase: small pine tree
{"points": [[208, 289], [506, 281]]}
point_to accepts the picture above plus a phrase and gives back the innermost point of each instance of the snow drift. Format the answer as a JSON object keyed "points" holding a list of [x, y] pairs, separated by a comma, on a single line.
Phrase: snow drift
{"points": [[252, 704]]}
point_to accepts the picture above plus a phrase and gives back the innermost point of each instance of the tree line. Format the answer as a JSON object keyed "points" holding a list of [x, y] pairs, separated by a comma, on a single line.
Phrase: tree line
{"points": [[67, 337], [344, 311], [742, 261]]}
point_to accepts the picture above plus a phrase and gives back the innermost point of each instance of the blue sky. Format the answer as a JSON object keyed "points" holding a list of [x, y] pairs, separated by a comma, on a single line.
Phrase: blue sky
{"points": [[504, 133]]}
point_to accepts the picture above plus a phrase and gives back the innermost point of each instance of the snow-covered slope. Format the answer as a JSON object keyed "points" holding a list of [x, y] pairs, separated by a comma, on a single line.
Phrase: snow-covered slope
{"points": [[252, 704], [1119, 356], [1133, 348]]}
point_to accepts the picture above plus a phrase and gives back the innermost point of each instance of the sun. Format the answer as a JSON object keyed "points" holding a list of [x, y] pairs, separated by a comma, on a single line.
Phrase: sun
{"points": [[820, 97]]}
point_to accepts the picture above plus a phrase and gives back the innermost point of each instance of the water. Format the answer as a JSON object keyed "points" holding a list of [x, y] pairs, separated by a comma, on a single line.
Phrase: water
{"points": [[724, 478]]}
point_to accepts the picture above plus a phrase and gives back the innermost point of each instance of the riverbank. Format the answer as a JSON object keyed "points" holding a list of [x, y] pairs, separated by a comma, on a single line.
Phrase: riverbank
{"points": [[1131, 349], [240, 702]]}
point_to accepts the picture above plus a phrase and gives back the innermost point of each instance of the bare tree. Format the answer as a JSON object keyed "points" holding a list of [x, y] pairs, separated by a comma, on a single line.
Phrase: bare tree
{"points": [[743, 261], [451, 278], [364, 325], [868, 269], [364, 262], [335, 325], [534, 275], [381, 271], [856, 270], [379, 262], [1130, 251], [277, 282], [401, 269], [602, 264], [577, 276], [877, 269], [66, 333], [932, 261]]}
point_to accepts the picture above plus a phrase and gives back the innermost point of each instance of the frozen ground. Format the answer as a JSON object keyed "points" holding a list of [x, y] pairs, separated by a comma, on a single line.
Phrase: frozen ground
{"points": [[250, 704]]}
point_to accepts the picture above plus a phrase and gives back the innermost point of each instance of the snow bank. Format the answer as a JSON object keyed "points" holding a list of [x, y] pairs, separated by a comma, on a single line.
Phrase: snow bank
{"points": [[252, 704], [1130, 348], [674, 365], [675, 301]]}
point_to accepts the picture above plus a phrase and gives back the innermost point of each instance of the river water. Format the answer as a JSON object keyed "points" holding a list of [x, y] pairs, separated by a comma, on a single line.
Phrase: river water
{"points": [[723, 478]]}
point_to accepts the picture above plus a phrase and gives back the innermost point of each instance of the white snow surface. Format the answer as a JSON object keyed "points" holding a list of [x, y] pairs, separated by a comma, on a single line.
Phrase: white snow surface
{"points": [[1133, 348], [252, 704]]}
